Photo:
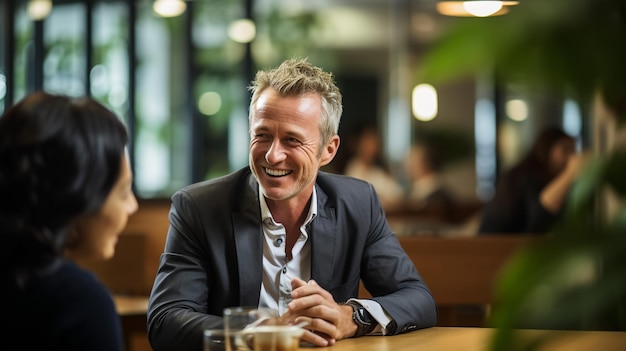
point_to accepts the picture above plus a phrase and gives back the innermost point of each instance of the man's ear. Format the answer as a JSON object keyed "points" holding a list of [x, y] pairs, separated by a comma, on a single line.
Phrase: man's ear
{"points": [[330, 150]]}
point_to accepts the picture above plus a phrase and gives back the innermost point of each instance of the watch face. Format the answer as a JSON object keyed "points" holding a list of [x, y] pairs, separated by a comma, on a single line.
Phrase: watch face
{"points": [[364, 316]]}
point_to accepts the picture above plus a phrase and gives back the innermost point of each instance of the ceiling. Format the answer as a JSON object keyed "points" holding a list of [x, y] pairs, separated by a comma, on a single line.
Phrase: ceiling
{"points": [[368, 23]]}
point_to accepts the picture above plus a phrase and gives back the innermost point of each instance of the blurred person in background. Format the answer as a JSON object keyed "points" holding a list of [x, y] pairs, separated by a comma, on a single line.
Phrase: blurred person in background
{"points": [[427, 190], [366, 164], [531, 196], [65, 194]]}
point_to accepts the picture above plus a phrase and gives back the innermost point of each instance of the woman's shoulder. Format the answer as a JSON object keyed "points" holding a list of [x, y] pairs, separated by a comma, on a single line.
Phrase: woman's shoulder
{"points": [[88, 309], [73, 310], [82, 284]]}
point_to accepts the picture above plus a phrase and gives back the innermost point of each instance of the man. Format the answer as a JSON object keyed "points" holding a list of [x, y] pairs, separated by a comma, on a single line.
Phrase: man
{"points": [[282, 234]]}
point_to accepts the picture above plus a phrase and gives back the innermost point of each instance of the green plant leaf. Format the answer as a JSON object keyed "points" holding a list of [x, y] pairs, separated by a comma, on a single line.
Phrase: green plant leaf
{"points": [[616, 172], [584, 190]]}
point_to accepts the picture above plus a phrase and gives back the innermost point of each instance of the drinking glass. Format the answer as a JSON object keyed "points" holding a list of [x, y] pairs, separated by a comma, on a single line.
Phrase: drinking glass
{"points": [[279, 337], [236, 319], [214, 340]]}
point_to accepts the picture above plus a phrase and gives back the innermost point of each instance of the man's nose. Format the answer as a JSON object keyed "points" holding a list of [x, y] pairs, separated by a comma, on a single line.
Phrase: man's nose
{"points": [[276, 153]]}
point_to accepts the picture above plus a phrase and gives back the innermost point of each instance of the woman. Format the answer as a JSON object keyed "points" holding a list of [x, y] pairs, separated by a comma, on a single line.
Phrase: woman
{"points": [[531, 195], [65, 192], [428, 192], [367, 165]]}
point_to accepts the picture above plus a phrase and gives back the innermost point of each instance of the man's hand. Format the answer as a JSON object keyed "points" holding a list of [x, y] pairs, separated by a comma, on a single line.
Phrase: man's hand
{"points": [[328, 321]]}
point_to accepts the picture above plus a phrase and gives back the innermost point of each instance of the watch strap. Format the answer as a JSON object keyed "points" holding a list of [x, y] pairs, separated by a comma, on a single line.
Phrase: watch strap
{"points": [[362, 318]]}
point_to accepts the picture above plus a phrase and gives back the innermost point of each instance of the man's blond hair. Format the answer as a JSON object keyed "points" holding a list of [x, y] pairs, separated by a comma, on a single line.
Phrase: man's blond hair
{"points": [[297, 76]]}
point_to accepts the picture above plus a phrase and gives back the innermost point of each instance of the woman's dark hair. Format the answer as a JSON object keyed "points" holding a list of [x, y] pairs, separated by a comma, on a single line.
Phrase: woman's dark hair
{"points": [[59, 159], [534, 165], [536, 162]]}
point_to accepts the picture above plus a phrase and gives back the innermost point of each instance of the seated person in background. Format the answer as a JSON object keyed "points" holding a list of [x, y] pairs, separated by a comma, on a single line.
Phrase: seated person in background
{"points": [[65, 191], [282, 234], [427, 191], [366, 165], [530, 196]]}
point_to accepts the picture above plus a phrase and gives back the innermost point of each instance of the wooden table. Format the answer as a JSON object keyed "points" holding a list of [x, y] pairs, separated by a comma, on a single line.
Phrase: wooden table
{"points": [[478, 339], [132, 311]]}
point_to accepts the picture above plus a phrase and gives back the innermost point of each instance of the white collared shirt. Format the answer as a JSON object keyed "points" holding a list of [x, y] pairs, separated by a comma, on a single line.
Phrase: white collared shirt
{"points": [[277, 270]]}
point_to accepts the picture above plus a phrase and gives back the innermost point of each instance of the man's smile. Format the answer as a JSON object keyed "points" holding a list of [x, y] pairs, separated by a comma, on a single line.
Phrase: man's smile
{"points": [[276, 172]]}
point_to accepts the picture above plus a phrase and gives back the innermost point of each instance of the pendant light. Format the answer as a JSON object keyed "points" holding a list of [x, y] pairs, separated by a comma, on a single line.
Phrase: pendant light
{"points": [[474, 8]]}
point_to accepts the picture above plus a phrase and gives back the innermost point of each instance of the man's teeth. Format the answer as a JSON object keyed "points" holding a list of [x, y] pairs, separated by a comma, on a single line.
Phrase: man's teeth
{"points": [[276, 172]]}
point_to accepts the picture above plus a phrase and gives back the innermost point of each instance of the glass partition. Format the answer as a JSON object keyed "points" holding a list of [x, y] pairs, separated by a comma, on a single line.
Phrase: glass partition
{"points": [[64, 59]]}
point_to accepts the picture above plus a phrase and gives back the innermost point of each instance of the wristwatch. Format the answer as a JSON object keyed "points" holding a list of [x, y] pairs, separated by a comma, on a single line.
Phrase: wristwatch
{"points": [[362, 318]]}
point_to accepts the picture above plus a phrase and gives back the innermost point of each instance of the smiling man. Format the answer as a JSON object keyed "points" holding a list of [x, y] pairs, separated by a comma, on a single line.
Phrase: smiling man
{"points": [[282, 234]]}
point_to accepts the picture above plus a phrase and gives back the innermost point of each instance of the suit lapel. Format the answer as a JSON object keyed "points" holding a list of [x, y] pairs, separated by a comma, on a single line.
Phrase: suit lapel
{"points": [[248, 243], [323, 240]]}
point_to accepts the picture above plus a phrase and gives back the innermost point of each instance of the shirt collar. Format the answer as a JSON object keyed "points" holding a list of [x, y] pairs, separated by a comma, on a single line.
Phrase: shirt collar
{"points": [[266, 215]]}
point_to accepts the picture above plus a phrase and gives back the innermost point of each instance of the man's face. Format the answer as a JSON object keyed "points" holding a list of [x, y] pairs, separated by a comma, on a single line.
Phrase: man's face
{"points": [[285, 144]]}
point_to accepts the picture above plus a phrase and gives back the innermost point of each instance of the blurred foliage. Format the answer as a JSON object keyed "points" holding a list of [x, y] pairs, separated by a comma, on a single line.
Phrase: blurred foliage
{"points": [[574, 278]]}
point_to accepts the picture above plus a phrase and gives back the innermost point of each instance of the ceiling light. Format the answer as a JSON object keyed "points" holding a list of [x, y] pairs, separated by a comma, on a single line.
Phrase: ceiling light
{"points": [[517, 110], [424, 102], [242, 30], [39, 9], [169, 8], [474, 8], [209, 103], [482, 8]]}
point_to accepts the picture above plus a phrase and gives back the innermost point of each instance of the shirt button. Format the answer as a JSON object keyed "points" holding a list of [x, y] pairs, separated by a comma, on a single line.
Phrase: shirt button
{"points": [[285, 270]]}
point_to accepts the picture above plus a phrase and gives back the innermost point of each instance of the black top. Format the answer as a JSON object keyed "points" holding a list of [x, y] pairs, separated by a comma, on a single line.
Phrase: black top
{"points": [[66, 309], [521, 211]]}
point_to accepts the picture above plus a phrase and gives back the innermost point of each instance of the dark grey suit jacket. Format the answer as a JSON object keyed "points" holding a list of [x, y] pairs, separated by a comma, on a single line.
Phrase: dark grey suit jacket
{"points": [[213, 257]]}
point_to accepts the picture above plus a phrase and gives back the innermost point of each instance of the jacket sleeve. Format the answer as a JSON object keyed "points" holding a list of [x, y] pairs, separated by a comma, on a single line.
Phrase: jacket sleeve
{"points": [[368, 250], [178, 310], [391, 277]]}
